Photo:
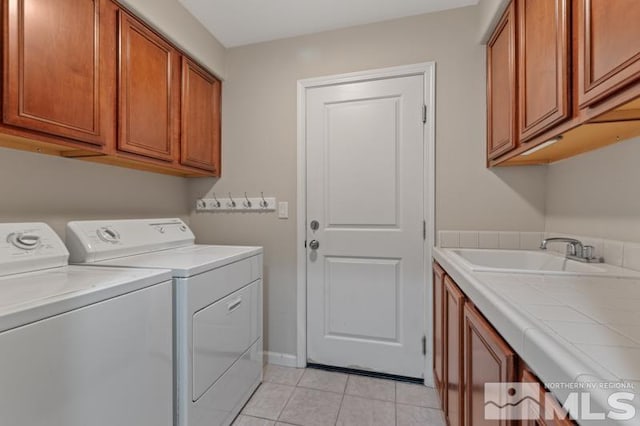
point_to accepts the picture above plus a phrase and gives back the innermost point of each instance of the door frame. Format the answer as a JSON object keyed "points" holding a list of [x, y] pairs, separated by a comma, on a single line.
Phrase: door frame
{"points": [[427, 71]]}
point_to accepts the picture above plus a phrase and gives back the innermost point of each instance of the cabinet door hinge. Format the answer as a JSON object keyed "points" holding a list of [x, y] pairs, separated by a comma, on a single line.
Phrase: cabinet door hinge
{"points": [[424, 345], [424, 113], [424, 230], [305, 243]]}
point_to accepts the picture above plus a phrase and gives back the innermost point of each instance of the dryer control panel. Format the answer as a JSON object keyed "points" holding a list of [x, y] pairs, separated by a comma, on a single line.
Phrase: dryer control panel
{"points": [[96, 240], [26, 247]]}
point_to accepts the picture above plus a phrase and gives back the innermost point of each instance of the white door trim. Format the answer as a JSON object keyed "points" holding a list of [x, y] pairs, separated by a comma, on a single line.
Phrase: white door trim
{"points": [[427, 70]]}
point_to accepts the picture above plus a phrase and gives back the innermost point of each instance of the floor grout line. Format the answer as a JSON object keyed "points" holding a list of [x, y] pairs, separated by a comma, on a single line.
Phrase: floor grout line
{"points": [[395, 403], [286, 403], [341, 402]]}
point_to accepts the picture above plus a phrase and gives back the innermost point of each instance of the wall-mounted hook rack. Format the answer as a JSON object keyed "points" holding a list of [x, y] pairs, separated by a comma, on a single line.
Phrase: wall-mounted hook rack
{"points": [[248, 204]]}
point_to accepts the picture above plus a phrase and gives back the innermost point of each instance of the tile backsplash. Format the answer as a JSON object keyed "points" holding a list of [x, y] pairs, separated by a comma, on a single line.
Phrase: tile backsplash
{"points": [[619, 253], [490, 239]]}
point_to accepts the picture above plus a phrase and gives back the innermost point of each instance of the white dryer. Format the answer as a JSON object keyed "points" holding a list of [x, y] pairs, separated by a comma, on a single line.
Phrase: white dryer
{"points": [[80, 346], [218, 308]]}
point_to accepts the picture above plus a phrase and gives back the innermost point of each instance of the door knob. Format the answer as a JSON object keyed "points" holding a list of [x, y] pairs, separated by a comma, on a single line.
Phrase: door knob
{"points": [[314, 245]]}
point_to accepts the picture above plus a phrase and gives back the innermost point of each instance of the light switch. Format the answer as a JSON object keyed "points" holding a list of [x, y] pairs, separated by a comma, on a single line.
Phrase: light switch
{"points": [[283, 210]]}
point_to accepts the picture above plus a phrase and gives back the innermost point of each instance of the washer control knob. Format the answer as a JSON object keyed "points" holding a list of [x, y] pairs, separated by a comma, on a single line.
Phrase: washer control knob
{"points": [[24, 241], [108, 235]]}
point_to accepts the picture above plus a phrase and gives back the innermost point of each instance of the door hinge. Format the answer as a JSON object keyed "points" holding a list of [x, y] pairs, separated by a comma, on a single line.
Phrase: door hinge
{"points": [[424, 345], [305, 243], [424, 113], [424, 230]]}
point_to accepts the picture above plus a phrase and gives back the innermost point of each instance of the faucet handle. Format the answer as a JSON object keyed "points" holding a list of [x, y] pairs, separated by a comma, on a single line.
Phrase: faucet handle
{"points": [[587, 252], [571, 249]]}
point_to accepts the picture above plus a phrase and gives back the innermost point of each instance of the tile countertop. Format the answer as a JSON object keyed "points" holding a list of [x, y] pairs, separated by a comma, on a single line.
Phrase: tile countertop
{"points": [[568, 329]]}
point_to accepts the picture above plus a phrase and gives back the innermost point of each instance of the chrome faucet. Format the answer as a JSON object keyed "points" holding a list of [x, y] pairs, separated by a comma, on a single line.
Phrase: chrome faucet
{"points": [[575, 249]]}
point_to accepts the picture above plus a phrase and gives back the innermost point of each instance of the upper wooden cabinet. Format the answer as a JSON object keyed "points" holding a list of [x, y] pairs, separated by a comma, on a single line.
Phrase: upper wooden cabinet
{"points": [[149, 92], [501, 86], [543, 65], [59, 68], [608, 47], [200, 136], [578, 66], [87, 79]]}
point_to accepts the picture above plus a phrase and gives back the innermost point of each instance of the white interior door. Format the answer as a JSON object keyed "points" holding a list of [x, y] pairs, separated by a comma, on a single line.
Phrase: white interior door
{"points": [[365, 190]]}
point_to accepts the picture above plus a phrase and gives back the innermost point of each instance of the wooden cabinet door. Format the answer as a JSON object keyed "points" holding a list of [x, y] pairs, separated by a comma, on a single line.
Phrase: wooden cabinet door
{"points": [[487, 359], [452, 382], [501, 86], [200, 135], [543, 65], [550, 412], [608, 47], [149, 92], [59, 65], [438, 332]]}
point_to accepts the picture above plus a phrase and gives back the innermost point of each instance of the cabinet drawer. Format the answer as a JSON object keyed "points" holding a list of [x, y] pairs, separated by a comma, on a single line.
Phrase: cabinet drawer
{"points": [[222, 332]]}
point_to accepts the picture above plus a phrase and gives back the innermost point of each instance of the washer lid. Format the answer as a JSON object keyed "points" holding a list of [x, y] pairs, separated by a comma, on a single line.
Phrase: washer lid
{"points": [[28, 247], [32, 296]]}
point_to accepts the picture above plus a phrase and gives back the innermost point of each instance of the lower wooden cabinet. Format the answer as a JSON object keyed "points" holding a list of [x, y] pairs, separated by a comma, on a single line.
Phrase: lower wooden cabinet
{"points": [[453, 311], [549, 411], [487, 359], [438, 332], [468, 353]]}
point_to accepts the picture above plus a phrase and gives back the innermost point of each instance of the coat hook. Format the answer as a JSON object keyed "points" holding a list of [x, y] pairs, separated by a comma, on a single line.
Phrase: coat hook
{"points": [[246, 203], [232, 203], [217, 203], [264, 204]]}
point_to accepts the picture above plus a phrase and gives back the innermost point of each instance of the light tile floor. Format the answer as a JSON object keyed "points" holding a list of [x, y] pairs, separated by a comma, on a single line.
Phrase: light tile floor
{"points": [[311, 397]]}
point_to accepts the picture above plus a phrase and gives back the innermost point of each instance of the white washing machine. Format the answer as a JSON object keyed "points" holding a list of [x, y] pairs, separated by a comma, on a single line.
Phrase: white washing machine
{"points": [[218, 308], [80, 346]]}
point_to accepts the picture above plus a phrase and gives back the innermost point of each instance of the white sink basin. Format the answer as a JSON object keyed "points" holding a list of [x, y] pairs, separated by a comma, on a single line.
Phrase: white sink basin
{"points": [[534, 262]]}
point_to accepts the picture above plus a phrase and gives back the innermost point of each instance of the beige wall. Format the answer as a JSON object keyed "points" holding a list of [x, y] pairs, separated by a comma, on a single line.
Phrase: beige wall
{"points": [[36, 187], [176, 23], [596, 194], [259, 141]]}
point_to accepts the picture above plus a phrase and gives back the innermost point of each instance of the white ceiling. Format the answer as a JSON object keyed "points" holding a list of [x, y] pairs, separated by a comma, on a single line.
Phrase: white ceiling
{"points": [[240, 22]]}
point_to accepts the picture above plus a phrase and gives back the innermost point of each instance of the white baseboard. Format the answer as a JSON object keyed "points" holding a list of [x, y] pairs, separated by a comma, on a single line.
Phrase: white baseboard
{"points": [[283, 360]]}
